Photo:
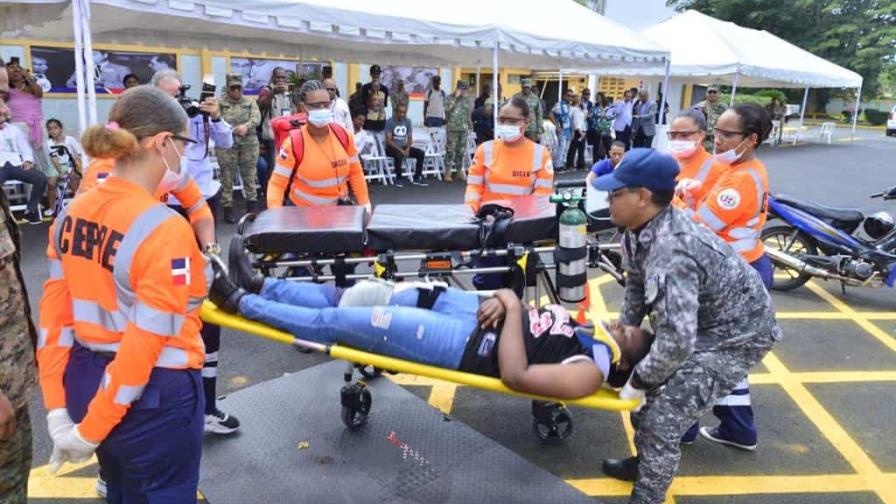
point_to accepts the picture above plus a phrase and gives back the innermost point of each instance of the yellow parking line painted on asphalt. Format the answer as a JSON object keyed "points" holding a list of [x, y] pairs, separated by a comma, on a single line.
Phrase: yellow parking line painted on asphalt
{"points": [[441, 397], [826, 377], [733, 485], [42, 484], [855, 316]]}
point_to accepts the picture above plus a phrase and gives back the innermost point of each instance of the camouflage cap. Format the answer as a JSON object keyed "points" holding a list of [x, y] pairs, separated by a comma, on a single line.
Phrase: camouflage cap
{"points": [[234, 80], [462, 85], [526, 81]]}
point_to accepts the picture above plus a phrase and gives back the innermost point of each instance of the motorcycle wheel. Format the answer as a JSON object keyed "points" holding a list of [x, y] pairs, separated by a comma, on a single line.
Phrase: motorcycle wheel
{"points": [[786, 238]]}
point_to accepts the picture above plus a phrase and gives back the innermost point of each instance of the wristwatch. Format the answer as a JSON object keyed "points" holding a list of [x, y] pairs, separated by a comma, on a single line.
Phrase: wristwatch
{"points": [[212, 249]]}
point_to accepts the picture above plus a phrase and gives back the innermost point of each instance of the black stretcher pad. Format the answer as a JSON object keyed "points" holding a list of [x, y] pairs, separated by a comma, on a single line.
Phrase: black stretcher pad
{"points": [[341, 229], [313, 230]]}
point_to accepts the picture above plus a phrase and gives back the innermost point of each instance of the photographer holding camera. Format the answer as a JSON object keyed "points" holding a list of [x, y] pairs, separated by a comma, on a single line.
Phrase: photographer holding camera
{"points": [[205, 123]]}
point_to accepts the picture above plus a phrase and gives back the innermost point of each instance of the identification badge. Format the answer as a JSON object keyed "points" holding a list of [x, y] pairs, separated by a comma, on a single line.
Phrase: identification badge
{"points": [[487, 344]]}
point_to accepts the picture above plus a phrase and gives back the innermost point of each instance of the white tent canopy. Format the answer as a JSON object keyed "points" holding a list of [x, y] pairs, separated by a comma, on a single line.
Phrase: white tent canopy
{"points": [[407, 32], [705, 49]]}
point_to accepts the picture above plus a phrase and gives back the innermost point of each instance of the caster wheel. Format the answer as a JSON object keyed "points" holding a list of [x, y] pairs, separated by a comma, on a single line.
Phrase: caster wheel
{"points": [[552, 422], [356, 402], [369, 372]]}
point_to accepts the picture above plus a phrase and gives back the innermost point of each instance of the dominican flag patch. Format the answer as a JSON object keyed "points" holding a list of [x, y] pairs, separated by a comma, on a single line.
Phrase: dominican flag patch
{"points": [[180, 271], [101, 176]]}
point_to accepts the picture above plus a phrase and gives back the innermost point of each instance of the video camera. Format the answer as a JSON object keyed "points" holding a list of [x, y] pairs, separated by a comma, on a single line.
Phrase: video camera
{"points": [[191, 105]]}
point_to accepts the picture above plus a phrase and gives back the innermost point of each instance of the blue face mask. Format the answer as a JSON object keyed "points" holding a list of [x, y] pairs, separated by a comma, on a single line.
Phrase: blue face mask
{"points": [[320, 117]]}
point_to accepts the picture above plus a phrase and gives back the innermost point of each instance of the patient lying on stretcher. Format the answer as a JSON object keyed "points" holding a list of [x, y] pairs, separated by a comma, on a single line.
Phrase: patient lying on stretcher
{"points": [[538, 351]]}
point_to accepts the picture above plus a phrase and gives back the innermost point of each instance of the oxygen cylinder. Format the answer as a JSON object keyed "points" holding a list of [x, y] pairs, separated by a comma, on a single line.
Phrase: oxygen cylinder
{"points": [[571, 254]]}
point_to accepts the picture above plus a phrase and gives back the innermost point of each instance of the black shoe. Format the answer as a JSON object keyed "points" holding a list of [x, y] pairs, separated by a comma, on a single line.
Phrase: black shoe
{"points": [[240, 266], [224, 293], [250, 207], [228, 215], [418, 181], [621, 469], [34, 218]]}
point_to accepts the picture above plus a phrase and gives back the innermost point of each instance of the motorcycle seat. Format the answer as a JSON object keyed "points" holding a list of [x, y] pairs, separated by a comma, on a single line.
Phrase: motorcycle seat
{"points": [[847, 219]]}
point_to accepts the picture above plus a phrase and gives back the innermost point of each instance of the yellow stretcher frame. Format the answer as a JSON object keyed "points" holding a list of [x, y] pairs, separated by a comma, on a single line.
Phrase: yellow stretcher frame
{"points": [[603, 399]]}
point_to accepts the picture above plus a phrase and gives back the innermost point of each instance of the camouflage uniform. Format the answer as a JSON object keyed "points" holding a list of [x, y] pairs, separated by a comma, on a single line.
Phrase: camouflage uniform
{"points": [[712, 111], [398, 98], [536, 116], [244, 153], [457, 123], [713, 320], [17, 370]]}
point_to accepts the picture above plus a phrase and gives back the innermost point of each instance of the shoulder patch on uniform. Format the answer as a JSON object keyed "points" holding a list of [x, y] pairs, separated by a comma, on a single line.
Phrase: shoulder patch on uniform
{"points": [[728, 199], [652, 288], [180, 271], [283, 154], [549, 167]]}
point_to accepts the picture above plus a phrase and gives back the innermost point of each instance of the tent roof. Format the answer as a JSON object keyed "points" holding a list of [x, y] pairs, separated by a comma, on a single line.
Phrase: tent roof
{"points": [[706, 49], [409, 32]]}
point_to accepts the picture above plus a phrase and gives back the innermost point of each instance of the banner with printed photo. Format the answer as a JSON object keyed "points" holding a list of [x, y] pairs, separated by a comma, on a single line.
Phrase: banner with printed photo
{"points": [[54, 68], [256, 72], [416, 79]]}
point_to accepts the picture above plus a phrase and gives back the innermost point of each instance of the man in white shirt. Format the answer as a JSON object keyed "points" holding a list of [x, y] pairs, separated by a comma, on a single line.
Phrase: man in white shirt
{"points": [[365, 143], [17, 163], [434, 104], [623, 122], [341, 114], [575, 157]]}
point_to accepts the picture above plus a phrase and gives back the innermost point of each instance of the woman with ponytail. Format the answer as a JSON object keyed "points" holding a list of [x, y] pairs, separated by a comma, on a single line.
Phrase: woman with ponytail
{"points": [[119, 350]]}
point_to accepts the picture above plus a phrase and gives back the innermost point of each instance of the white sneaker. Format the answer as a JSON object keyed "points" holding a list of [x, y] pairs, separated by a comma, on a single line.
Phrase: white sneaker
{"points": [[48, 212], [221, 423]]}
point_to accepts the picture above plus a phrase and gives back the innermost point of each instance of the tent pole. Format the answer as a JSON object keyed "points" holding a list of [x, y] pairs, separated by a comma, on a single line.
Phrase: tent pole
{"points": [[662, 105], [478, 75], [855, 115], [796, 137], [495, 78], [88, 58], [559, 85], [79, 66], [733, 90]]}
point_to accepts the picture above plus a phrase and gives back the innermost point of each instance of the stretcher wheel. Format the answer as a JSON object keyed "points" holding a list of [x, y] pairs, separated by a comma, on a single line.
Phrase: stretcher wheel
{"points": [[552, 422], [369, 372], [356, 402]]}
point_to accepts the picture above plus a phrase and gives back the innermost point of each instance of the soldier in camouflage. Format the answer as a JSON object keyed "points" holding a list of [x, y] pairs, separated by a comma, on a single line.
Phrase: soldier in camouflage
{"points": [[243, 114], [712, 108], [458, 123], [17, 370], [398, 96], [536, 111], [710, 311]]}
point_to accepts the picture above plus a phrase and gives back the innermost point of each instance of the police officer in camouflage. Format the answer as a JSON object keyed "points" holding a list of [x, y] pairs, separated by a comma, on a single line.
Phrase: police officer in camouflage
{"points": [[458, 123], [711, 313], [536, 111], [712, 108], [17, 371], [243, 114]]}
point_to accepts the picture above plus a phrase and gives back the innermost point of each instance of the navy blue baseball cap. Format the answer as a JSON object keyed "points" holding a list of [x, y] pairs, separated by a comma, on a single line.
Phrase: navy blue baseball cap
{"points": [[641, 167]]}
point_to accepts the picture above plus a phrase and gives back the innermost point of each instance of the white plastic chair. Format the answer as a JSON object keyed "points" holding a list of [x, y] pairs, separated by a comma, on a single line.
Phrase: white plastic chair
{"points": [[827, 131]]}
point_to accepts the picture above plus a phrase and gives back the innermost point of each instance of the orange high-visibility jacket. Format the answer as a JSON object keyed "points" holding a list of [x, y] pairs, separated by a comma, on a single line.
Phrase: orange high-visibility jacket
{"points": [[701, 167], [736, 207], [126, 278], [502, 171], [188, 194], [326, 172]]}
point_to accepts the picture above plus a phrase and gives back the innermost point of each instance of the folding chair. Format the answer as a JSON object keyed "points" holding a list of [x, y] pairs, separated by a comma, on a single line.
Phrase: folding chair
{"points": [[827, 131]]}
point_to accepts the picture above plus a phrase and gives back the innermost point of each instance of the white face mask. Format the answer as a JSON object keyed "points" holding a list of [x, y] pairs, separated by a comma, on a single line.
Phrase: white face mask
{"points": [[729, 156], [320, 118], [172, 180], [508, 132], [681, 149]]}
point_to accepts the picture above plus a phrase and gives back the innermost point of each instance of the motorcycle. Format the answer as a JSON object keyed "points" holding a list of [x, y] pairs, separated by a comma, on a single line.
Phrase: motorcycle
{"points": [[806, 240]]}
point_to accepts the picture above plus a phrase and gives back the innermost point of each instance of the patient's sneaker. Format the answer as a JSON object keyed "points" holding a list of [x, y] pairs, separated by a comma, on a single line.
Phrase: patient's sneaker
{"points": [[221, 423], [240, 267], [100, 486], [716, 435], [621, 469], [690, 437]]}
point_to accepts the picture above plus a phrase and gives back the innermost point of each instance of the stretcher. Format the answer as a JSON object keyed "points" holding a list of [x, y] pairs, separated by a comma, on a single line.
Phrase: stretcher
{"points": [[442, 242], [552, 421]]}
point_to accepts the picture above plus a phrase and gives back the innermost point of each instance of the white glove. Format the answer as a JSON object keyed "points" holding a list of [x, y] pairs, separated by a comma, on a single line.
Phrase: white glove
{"points": [[630, 392], [75, 447], [58, 423], [369, 208]]}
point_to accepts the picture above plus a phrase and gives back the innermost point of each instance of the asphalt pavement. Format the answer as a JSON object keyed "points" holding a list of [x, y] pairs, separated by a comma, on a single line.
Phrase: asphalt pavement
{"points": [[823, 399]]}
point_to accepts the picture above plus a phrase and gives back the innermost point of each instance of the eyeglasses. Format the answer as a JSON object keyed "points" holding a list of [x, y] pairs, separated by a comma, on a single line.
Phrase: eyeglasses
{"points": [[727, 135], [184, 139], [675, 135], [619, 192], [318, 105], [510, 121]]}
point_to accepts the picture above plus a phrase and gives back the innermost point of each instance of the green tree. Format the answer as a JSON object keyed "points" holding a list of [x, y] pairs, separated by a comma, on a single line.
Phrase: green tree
{"points": [[856, 34]]}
